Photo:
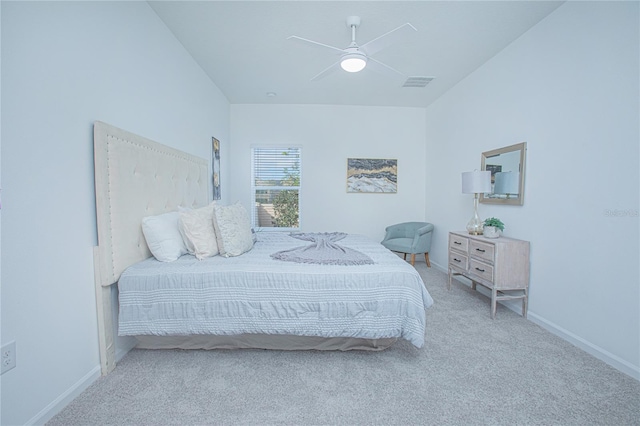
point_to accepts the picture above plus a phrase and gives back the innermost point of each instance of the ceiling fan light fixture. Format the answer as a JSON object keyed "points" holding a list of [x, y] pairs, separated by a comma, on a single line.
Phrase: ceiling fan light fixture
{"points": [[354, 58], [353, 62]]}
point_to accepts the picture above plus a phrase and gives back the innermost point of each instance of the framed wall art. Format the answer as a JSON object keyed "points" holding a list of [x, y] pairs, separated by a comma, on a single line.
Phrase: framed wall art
{"points": [[215, 166], [372, 175]]}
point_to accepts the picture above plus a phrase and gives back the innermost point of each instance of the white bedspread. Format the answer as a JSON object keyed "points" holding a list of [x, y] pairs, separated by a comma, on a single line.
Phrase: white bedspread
{"points": [[254, 293]]}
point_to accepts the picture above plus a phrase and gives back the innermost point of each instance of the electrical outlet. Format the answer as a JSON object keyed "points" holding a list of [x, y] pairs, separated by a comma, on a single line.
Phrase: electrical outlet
{"points": [[8, 357]]}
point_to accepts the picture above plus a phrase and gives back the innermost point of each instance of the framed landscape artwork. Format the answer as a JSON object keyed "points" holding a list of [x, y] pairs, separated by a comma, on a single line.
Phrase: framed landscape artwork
{"points": [[372, 175], [215, 165]]}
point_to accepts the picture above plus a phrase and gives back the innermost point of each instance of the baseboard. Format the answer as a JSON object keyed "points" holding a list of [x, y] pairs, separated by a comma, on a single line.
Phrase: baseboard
{"points": [[74, 391], [594, 350], [63, 400], [603, 355]]}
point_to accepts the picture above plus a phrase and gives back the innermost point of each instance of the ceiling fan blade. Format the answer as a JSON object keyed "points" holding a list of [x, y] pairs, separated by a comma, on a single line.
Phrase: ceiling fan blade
{"points": [[377, 44], [325, 72], [316, 43], [381, 68]]}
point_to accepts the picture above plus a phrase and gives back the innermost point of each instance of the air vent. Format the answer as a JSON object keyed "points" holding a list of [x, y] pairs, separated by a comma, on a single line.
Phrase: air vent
{"points": [[417, 81]]}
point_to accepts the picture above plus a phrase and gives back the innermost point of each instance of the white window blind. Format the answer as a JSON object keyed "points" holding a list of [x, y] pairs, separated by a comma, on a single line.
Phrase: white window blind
{"points": [[275, 181]]}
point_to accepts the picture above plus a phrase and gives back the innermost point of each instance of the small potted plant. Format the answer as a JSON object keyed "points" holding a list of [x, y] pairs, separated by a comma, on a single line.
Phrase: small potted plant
{"points": [[493, 227]]}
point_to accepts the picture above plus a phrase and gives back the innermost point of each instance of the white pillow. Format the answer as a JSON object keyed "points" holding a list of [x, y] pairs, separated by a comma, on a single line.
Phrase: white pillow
{"points": [[196, 227], [163, 237], [233, 229]]}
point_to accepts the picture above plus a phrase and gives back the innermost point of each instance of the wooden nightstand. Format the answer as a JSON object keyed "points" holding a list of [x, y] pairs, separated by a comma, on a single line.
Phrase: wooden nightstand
{"points": [[500, 264]]}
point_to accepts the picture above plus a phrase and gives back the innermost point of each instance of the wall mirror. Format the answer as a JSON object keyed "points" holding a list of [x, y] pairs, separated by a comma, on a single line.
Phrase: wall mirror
{"points": [[507, 174]]}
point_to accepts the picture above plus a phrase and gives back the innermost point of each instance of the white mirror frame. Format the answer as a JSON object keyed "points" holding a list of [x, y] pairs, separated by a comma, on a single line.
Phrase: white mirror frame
{"points": [[505, 199]]}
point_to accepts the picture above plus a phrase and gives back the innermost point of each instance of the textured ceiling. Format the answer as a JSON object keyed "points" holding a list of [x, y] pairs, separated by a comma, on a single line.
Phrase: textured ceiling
{"points": [[243, 45]]}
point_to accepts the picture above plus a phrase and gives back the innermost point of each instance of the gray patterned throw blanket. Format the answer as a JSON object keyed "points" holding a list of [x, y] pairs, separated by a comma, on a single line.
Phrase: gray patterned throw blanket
{"points": [[323, 251]]}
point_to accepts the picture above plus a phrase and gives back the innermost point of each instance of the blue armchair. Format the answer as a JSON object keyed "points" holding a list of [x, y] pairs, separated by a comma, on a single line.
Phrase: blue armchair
{"points": [[409, 238]]}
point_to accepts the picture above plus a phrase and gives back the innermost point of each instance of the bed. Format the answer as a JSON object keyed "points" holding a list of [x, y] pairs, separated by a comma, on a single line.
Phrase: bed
{"points": [[254, 300]]}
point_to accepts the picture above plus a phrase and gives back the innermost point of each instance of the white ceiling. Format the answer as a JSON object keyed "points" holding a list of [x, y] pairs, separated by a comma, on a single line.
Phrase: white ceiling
{"points": [[243, 46]]}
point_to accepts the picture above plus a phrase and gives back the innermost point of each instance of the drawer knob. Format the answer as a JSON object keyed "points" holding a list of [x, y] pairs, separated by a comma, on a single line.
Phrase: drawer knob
{"points": [[457, 260], [478, 269], [457, 242], [480, 250]]}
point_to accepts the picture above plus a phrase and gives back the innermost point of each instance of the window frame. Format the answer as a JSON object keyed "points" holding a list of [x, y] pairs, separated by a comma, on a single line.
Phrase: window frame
{"points": [[254, 188]]}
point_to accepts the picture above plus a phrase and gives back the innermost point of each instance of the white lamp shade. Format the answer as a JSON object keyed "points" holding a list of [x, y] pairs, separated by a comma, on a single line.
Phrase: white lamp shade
{"points": [[353, 62], [476, 182], [507, 183]]}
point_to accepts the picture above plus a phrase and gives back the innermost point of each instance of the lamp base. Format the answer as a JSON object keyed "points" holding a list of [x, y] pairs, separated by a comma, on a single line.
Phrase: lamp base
{"points": [[475, 229], [475, 225]]}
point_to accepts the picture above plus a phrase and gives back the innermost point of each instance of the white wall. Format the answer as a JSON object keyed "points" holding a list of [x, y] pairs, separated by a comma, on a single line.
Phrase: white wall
{"points": [[569, 88], [65, 65], [328, 136]]}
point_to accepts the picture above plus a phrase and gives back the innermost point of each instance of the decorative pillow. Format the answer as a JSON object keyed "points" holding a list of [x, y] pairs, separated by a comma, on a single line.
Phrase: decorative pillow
{"points": [[163, 237], [196, 227], [233, 229]]}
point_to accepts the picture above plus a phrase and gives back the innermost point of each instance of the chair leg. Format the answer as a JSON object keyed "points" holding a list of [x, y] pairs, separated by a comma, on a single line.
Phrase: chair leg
{"points": [[413, 259], [404, 256], [426, 259]]}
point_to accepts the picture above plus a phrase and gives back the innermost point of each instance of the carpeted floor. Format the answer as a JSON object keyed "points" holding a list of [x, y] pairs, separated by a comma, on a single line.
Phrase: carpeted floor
{"points": [[471, 371]]}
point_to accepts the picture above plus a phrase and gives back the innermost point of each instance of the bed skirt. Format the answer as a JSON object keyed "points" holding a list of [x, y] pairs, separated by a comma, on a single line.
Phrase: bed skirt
{"points": [[261, 341]]}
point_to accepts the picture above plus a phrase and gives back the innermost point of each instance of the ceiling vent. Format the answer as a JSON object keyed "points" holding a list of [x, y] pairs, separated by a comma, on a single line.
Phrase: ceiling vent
{"points": [[417, 81]]}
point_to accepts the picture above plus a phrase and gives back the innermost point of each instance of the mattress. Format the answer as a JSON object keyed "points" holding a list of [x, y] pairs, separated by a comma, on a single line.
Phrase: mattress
{"points": [[256, 294]]}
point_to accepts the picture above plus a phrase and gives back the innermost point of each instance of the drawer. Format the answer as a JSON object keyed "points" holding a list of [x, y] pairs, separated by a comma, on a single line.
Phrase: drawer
{"points": [[481, 250], [457, 242], [481, 270], [458, 260]]}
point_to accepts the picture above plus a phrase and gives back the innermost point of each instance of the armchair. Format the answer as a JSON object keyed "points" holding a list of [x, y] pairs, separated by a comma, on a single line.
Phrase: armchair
{"points": [[409, 238]]}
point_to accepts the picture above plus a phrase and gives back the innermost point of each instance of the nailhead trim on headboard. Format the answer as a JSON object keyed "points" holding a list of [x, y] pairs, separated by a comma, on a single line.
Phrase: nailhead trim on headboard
{"points": [[137, 177]]}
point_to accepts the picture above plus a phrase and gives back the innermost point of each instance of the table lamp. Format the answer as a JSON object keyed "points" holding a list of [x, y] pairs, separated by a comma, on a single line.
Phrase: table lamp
{"points": [[476, 182]]}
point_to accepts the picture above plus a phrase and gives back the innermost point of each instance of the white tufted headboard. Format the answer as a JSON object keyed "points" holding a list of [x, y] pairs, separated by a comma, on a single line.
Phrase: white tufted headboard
{"points": [[134, 177]]}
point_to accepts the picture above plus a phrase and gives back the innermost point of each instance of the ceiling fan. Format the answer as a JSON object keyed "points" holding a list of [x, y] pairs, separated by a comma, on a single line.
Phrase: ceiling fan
{"points": [[355, 58]]}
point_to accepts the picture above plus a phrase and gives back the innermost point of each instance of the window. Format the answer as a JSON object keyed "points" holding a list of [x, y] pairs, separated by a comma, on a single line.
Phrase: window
{"points": [[275, 187]]}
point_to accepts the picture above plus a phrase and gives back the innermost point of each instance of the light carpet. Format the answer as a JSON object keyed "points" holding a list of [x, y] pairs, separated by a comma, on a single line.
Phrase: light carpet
{"points": [[471, 371]]}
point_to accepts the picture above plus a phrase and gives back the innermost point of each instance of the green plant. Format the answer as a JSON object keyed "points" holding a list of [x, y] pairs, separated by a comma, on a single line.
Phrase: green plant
{"points": [[286, 207], [285, 204], [494, 221]]}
